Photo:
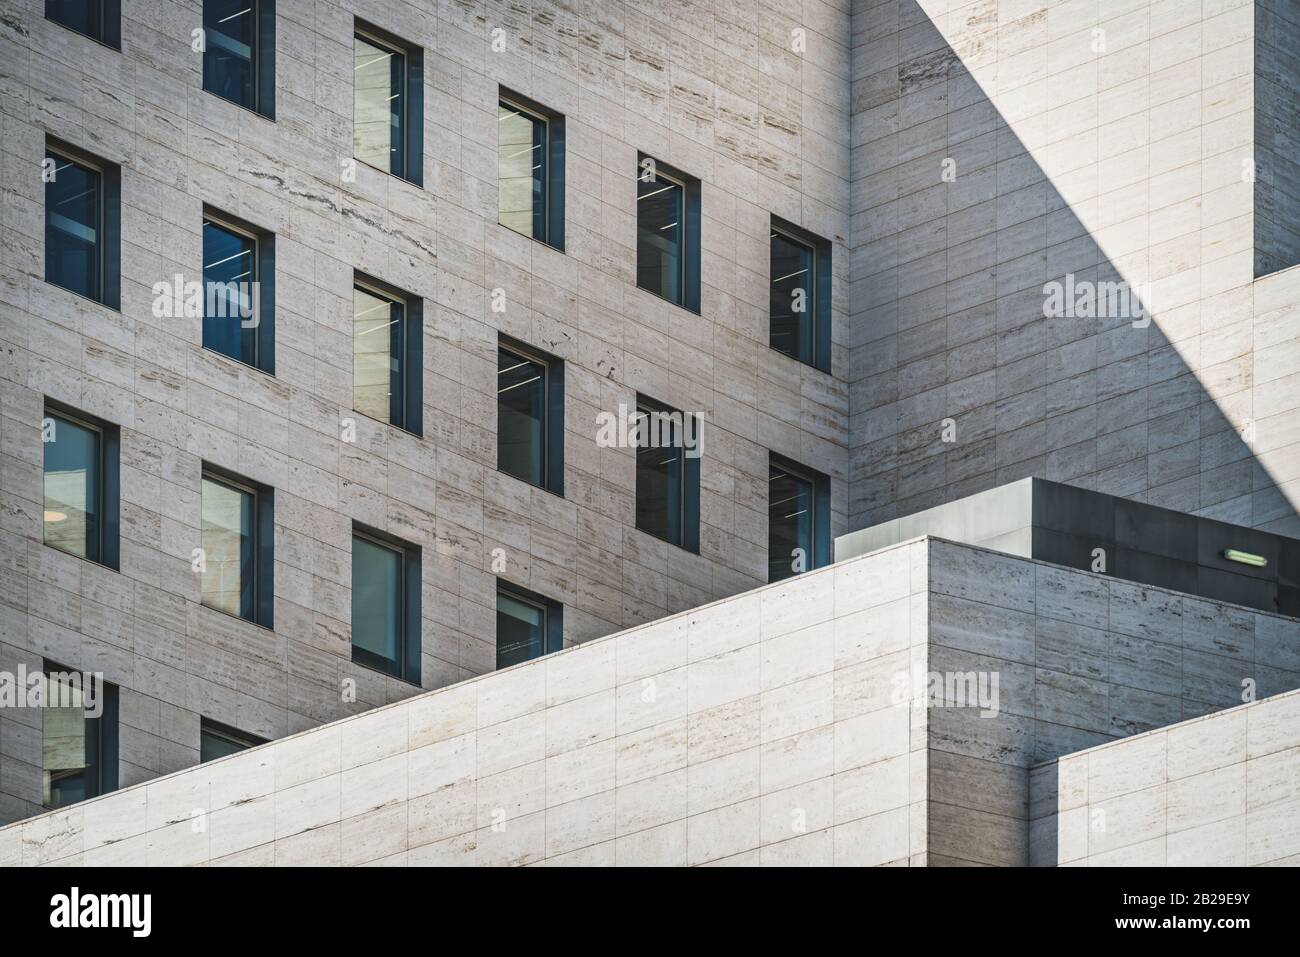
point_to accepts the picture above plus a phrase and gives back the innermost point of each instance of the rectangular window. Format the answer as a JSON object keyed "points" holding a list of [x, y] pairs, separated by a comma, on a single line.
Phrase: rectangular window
{"points": [[81, 224], [386, 604], [800, 295], [529, 625], [798, 519], [387, 330], [530, 170], [98, 19], [237, 561], [668, 233], [81, 485], [239, 52], [78, 737], [387, 113], [219, 741], [668, 474], [530, 416], [239, 292]]}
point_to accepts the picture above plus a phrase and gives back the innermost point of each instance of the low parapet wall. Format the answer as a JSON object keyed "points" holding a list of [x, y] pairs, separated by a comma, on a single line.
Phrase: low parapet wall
{"points": [[1218, 791]]}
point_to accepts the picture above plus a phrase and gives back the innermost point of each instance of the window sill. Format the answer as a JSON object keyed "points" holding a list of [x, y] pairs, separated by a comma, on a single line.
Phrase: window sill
{"points": [[540, 488], [389, 173], [386, 674], [659, 538], [269, 117], [386, 423], [82, 558], [247, 621], [671, 302], [239, 362], [104, 43], [540, 242], [84, 298], [806, 365]]}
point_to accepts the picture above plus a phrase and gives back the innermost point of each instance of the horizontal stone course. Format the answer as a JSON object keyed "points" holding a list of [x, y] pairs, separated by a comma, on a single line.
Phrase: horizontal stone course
{"points": [[1218, 791], [753, 754]]}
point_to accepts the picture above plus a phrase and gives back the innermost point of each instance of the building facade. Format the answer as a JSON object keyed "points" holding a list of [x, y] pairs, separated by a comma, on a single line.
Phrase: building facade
{"points": [[1111, 141], [709, 90], [811, 722]]}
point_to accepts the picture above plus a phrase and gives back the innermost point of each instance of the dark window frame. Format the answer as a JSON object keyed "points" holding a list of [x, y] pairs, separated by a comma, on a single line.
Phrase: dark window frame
{"points": [[262, 336], [216, 729], [263, 63], [552, 233], [820, 484], [102, 756], [262, 611], [110, 22], [553, 424], [108, 497], [819, 291], [406, 406], [412, 122], [109, 222], [410, 583], [688, 481], [552, 615], [689, 280]]}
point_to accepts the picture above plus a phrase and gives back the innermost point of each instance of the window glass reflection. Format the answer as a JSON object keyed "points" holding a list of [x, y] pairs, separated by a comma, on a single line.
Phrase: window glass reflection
{"points": [[792, 293], [230, 38], [379, 79], [84, 16], [659, 231], [521, 417], [230, 296], [376, 604], [789, 524], [660, 476], [378, 344], [73, 483], [73, 227], [64, 746], [521, 630], [227, 575], [521, 171], [218, 741]]}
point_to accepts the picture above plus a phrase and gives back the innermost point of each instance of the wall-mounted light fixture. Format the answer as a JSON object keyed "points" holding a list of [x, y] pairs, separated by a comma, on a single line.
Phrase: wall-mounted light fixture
{"points": [[1245, 558]]}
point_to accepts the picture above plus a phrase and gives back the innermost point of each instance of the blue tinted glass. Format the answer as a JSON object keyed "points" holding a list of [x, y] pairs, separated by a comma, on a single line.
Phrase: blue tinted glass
{"points": [[72, 488], [376, 604], [789, 524], [660, 473], [521, 417], [73, 227], [230, 296], [792, 297], [230, 38], [659, 234], [217, 742], [521, 630], [66, 786], [84, 16]]}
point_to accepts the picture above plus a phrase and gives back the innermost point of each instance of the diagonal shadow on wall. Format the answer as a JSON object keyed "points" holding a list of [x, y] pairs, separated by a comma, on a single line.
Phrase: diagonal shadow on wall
{"points": [[992, 159], [949, 273]]}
